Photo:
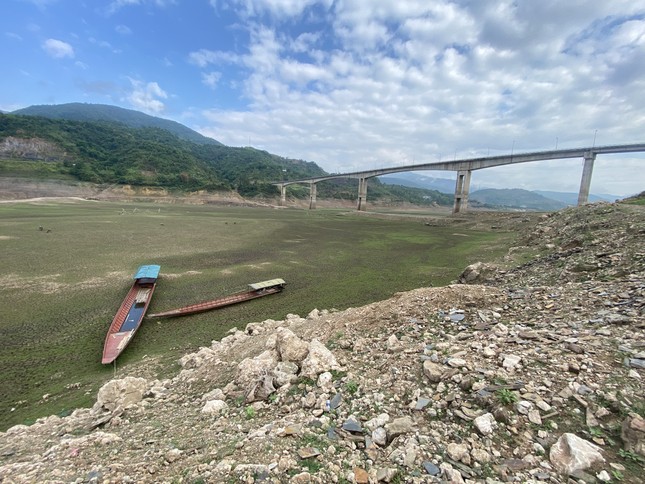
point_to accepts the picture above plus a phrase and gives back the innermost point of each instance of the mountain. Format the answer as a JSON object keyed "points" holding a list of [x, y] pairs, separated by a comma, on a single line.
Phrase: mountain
{"points": [[515, 198], [571, 198], [103, 152], [104, 112], [411, 179]]}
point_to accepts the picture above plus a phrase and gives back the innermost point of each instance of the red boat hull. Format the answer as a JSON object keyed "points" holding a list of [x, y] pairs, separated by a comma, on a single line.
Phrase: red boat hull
{"points": [[128, 319]]}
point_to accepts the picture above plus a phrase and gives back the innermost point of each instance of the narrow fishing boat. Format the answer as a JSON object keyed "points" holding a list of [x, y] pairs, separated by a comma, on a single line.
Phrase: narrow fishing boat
{"points": [[129, 316], [259, 289]]}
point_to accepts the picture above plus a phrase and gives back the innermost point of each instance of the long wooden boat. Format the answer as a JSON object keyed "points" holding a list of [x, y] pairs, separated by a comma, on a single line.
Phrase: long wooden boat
{"points": [[129, 316], [259, 289]]}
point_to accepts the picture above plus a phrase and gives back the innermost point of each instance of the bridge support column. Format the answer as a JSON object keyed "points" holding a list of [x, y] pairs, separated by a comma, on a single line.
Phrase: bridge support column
{"points": [[283, 195], [362, 194], [462, 187], [312, 196], [585, 183]]}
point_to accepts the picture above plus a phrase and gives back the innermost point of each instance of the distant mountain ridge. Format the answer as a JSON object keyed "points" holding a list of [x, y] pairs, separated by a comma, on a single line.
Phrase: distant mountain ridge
{"points": [[105, 112], [515, 198], [510, 198]]}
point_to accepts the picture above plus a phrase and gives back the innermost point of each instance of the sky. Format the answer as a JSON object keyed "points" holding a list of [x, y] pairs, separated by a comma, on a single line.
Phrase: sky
{"points": [[355, 84]]}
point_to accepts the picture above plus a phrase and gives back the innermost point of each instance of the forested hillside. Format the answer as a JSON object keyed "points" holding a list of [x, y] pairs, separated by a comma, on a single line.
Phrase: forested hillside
{"points": [[106, 152], [105, 112]]}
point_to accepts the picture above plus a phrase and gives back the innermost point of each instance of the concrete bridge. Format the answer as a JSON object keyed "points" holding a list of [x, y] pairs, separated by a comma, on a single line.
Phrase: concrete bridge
{"points": [[464, 169]]}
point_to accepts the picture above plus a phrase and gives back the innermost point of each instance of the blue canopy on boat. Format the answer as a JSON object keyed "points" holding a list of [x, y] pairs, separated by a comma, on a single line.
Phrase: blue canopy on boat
{"points": [[147, 272]]}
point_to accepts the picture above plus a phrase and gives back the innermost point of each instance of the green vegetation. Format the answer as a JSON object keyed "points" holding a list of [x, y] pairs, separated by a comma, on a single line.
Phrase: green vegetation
{"points": [[506, 397], [115, 114], [249, 412], [59, 290], [107, 152], [351, 386]]}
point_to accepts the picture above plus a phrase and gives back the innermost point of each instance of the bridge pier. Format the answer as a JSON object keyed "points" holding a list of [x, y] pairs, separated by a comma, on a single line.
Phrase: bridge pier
{"points": [[362, 194], [283, 195], [312, 196], [585, 183], [462, 187]]}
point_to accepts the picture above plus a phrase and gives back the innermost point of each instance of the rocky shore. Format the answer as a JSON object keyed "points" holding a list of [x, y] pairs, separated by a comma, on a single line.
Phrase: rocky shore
{"points": [[528, 372]]}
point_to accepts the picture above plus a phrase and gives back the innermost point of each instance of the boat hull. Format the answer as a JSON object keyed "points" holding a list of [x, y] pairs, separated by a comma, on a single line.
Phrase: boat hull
{"points": [[128, 318]]}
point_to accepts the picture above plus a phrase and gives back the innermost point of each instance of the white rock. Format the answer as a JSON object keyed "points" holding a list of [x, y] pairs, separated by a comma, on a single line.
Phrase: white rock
{"points": [[480, 455], [603, 476], [511, 361], [121, 393], [457, 451], [379, 436], [485, 423], [571, 453], [319, 360], [290, 347], [215, 407]]}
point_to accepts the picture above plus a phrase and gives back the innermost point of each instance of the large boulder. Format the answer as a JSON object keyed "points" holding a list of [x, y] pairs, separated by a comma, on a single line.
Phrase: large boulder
{"points": [[318, 360], [251, 370], [121, 393], [290, 347], [477, 273], [571, 453]]}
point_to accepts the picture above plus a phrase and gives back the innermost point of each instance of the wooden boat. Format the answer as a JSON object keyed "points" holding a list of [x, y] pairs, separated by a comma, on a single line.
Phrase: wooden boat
{"points": [[129, 316], [259, 289]]}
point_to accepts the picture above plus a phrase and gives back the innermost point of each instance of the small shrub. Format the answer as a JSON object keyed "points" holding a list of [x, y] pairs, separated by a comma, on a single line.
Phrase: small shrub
{"points": [[351, 386], [249, 412], [506, 397]]}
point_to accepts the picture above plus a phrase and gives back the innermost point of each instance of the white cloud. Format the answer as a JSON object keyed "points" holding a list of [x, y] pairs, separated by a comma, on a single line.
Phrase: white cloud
{"points": [[58, 49], [12, 35], [146, 96], [381, 83], [123, 29], [117, 5], [211, 78]]}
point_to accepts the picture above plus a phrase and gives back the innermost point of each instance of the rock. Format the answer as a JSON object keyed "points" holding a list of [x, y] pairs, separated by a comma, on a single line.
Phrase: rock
{"points": [[399, 426], [456, 362], [251, 370], [318, 360], [215, 407], [571, 453], [452, 476], [308, 452], [393, 344], [477, 273], [121, 393], [633, 434], [431, 469], [480, 455], [285, 372], [603, 476], [325, 381], [360, 476], [432, 371], [379, 436], [302, 478], [352, 425], [485, 424], [172, 455], [289, 346], [511, 361], [456, 451]]}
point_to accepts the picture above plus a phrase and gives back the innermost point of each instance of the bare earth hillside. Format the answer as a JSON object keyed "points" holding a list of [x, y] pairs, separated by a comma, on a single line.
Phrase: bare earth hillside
{"points": [[523, 373]]}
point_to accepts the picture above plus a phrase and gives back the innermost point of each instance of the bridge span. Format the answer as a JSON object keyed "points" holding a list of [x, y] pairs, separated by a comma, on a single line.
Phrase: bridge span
{"points": [[464, 169]]}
